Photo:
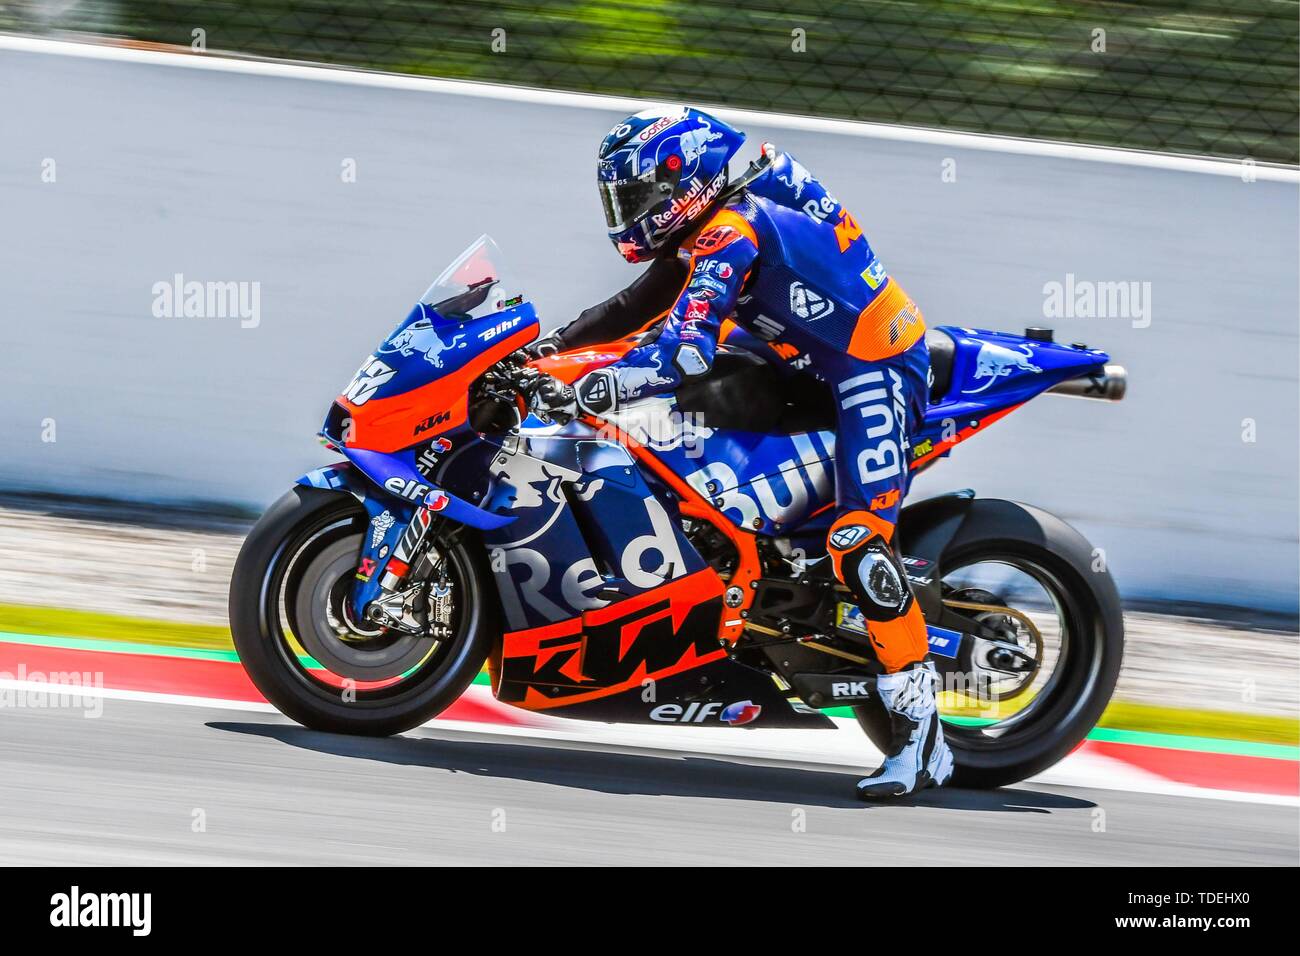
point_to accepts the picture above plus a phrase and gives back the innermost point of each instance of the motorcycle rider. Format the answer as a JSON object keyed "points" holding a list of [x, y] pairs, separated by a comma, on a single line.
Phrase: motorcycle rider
{"points": [[772, 257]]}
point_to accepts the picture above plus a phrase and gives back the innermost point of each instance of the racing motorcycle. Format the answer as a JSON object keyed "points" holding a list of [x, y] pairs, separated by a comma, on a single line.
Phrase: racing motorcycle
{"points": [[666, 564]]}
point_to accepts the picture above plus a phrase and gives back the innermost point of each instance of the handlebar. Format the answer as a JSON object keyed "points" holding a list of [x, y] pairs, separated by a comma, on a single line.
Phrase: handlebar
{"points": [[504, 394], [513, 374]]}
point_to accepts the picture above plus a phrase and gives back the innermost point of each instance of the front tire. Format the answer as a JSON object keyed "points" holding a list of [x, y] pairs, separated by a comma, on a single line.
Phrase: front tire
{"points": [[278, 588]]}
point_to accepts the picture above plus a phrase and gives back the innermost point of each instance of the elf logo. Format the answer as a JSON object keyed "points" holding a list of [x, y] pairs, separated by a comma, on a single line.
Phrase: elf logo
{"points": [[697, 712], [428, 459], [745, 712], [407, 488]]}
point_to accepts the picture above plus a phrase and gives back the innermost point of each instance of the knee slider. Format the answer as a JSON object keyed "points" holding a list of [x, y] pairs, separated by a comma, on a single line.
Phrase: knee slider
{"points": [[877, 579]]}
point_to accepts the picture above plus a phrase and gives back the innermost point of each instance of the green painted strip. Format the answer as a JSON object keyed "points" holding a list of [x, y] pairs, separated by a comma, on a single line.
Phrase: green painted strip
{"points": [[1146, 738], [116, 647], [1240, 748], [106, 646]]}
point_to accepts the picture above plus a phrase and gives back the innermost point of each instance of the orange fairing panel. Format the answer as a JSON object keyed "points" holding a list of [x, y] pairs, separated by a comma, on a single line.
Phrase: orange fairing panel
{"points": [[393, 422], [568, 367], [608, 650]]}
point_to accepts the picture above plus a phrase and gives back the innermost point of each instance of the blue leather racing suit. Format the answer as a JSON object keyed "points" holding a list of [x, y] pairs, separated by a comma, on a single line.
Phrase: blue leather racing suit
{"points": [[790, 265]]}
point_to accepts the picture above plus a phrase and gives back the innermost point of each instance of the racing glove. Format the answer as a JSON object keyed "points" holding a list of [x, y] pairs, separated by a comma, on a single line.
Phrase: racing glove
{"points": [[553, 400]]}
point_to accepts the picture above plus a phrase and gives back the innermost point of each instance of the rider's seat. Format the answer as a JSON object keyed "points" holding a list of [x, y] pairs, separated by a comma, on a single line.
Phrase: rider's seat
{"points": [[744, 392], [942, 349]]}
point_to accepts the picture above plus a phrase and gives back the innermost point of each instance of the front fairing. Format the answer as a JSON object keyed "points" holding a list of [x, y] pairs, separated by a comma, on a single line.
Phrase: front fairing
{"points": [[415, 386]]}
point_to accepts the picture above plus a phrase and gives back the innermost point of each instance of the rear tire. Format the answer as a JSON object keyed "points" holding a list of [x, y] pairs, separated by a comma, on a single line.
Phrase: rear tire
{"points": [[272, 564], [996, 530]]}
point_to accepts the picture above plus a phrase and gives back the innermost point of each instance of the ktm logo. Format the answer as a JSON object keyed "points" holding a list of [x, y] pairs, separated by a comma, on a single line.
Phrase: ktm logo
{"points": [[614, 652], [886, 500], [431, 422], [846, 230]]}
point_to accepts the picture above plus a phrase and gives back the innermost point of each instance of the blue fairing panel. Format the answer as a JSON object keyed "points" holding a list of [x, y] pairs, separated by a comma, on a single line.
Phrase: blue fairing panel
{"points": [[995, 370], [369, 471], [389, 511]]}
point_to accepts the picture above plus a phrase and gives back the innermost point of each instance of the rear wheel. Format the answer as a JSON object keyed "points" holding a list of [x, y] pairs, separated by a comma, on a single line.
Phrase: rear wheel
{"points": [[307, 652], [1031, 582]]}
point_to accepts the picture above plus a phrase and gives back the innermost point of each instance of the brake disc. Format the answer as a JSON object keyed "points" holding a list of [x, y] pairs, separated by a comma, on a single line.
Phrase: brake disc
{"points": [[334, 641]]}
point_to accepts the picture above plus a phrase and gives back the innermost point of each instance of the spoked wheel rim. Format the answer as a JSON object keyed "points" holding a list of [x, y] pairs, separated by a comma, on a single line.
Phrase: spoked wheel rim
{"points": [[1061, 646], [316, 633]]}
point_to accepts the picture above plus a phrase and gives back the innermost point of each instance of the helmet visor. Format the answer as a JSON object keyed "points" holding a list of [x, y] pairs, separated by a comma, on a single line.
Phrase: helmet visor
{"points": [[627, 200]]}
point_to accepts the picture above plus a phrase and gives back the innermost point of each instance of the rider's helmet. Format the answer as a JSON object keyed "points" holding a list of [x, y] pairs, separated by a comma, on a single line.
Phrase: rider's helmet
{"points": [[658, 172]]}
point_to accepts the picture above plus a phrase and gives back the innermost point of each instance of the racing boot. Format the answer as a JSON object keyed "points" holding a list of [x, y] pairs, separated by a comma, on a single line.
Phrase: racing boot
{"points": [[917, 756]]}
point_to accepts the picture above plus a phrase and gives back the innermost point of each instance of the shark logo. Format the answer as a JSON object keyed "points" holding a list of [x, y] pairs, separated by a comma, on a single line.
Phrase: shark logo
{"points": [[994, 362], [421, 336]]}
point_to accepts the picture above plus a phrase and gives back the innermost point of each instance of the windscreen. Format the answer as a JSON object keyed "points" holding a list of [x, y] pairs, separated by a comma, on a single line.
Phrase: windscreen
{"points": [[474, 285]]}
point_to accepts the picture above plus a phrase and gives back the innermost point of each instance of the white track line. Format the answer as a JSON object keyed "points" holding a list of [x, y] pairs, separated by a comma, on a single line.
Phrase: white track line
{"points": [[214, 61], [850, 751]]}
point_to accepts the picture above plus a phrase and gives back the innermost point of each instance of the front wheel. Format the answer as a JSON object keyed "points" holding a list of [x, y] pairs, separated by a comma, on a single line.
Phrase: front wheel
{"points": [[1036, 584], [305, 651]]}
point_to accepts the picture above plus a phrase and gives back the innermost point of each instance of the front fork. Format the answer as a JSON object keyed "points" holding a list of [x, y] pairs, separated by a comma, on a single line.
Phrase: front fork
{"points": [[408, 608]]}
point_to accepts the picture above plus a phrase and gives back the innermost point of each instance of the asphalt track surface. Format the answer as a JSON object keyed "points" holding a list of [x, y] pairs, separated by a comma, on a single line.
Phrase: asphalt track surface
{"points": [[131, 786]]}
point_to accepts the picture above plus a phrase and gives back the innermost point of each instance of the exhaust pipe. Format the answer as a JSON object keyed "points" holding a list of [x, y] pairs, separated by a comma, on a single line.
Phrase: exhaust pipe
{"points": [[1107, 385]]}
